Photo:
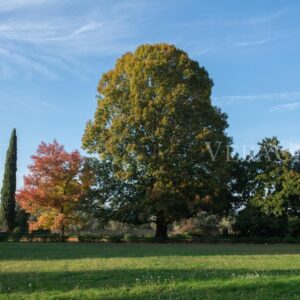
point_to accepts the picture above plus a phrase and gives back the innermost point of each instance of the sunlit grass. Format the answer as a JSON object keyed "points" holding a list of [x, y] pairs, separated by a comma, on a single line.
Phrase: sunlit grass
{"points": [[149, 271]]}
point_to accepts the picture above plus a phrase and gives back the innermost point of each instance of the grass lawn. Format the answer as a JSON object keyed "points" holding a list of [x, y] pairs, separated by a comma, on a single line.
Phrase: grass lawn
{"points": [[148, 271]]}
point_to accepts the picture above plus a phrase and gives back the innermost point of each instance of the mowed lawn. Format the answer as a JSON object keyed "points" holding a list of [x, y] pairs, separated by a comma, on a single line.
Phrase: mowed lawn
{"points": [[149, 271]]}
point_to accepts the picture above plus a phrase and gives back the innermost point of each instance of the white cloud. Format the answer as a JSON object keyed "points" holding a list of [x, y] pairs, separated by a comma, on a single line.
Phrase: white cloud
{"points": [[64, 38], [286, 107], [86, 28], [7, 5], [287, 96], [267, 18], [89, 32], [99, 29], [43, 32], [23, 62], [221, 22], [252, 43], [293, 146], [28, 104]]}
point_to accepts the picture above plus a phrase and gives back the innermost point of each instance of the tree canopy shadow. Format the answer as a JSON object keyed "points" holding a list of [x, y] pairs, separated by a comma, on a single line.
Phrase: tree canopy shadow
{"points": [[53, 251], [66, 281]]}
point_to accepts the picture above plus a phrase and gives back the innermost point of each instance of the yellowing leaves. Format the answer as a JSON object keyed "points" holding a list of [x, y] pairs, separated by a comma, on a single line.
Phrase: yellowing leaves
{"points": [[157, 115]]}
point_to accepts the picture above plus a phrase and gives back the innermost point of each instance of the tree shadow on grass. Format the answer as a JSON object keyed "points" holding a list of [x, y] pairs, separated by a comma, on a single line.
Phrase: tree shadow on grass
{"points": [[29, 282], [53, 251], [258, 290]]}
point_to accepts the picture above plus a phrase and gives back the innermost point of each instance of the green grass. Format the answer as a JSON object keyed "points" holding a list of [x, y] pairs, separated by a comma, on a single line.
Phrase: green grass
{"points": [[149, 271]]}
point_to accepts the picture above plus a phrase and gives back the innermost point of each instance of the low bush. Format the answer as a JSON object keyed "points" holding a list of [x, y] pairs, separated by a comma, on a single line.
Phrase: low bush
{"points": [[90, 238], [132, 238], [115, 238], [3, 236], [15, 237], [43, 235], [294, 227], [252, 222]]}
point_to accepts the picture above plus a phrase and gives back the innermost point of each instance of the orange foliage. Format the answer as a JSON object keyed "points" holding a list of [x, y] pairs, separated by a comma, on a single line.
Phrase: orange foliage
{"points": [[53, 187]]}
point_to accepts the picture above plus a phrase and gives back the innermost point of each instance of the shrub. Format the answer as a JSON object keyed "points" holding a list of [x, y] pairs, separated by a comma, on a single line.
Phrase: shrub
{"points": [[15, 237], [40, 232], [89, 238], [294, 227], [45, 235], [202, 224], [3, 236], [253, 222], [133, 238], [115, 238]]}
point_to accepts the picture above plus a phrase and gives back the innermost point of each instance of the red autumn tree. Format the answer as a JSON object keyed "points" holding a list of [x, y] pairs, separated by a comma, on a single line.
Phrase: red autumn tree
{"points": [[53, 187]]}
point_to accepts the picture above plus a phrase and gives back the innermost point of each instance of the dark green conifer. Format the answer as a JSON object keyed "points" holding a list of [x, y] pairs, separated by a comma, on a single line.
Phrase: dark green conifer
{"points": [[8, 203]]}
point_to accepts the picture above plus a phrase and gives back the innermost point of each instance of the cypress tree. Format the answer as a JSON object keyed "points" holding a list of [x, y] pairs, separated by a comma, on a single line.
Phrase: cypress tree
{"points": [[8, 203]]}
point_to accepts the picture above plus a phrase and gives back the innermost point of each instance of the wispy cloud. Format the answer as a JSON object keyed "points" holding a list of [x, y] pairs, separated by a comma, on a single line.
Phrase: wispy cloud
{"points": [[236, 32], [7, 5], [292, 145], [50, 32], [95, 31], [63, 33], [65, 38], [23, 62], [283, 96], [233, 22], [286, 107], [252, 43], [27, 104], [267, 18]]}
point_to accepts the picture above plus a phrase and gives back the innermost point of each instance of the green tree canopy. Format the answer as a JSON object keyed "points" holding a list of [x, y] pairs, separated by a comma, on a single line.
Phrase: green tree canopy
{"points": [[266, 185], [155, 124], [273, 164]]}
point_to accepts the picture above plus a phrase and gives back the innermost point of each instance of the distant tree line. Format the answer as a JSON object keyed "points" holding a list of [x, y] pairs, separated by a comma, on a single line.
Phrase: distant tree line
{"points": [[162, 155]]}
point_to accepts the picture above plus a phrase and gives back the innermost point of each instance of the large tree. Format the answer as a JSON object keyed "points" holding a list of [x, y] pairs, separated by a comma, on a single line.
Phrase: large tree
{"points": [[290, 192], [243, 171], [273, 164], [8, 203], [156, 125], [272, 189], [53, 188]]}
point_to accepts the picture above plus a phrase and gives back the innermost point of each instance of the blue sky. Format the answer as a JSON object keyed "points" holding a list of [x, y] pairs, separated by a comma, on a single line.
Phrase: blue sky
{"points": [[53, 53]]}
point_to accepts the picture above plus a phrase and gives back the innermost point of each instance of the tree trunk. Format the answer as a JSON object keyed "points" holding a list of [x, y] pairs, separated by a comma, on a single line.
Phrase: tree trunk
{"points": [[62, 229], [62, 233], [161, 233]]}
